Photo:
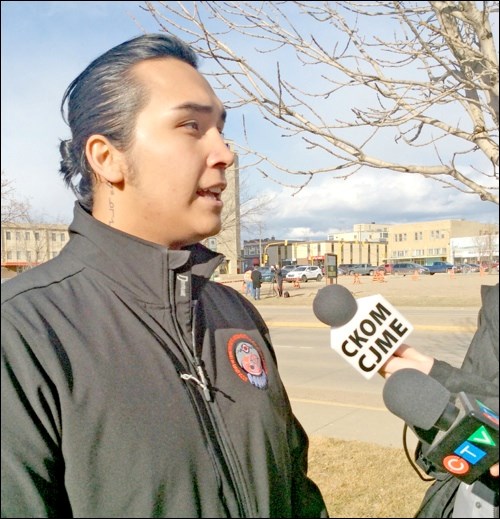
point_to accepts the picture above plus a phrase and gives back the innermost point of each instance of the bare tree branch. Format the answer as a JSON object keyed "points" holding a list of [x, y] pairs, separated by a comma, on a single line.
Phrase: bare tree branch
{"points": [[357, 84], [13, 209]]}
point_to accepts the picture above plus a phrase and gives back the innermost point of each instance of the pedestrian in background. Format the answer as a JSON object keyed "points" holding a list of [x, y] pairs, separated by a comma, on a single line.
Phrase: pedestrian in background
{"points": [[278, 276], [132, 384], [256, 282], [247, 279]]}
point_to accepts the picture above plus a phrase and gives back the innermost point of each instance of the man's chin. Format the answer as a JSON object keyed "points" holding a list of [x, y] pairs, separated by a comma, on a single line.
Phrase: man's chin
{"points": [[209, 233]]}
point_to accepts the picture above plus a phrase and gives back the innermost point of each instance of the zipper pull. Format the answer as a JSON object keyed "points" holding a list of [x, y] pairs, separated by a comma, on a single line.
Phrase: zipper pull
{"points": [[202, 383]]}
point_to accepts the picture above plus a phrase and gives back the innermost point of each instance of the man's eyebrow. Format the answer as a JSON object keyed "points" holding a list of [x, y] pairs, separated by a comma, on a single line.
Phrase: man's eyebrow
{"points": [[196, 107]]}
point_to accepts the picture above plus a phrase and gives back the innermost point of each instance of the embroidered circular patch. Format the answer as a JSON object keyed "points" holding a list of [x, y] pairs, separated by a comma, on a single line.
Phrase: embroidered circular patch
{"points": [[247, 360]]}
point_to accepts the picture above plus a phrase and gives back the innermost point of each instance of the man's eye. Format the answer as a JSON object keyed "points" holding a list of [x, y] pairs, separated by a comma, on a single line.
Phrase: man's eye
{"points": [[192, 124]]}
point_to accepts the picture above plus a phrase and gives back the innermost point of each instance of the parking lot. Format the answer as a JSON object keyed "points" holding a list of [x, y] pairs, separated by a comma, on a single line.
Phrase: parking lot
{"points": [[454, 290]]}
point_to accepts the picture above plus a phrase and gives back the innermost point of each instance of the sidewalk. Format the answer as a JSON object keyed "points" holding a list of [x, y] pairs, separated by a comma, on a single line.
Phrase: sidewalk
{"points": [[369, 424]]}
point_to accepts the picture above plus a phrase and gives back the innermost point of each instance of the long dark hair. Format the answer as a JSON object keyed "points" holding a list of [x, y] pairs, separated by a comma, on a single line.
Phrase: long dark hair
{"points": [[105, 99]]}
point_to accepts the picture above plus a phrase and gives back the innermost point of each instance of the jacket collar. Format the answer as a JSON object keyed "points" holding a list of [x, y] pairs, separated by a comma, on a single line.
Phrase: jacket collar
{"points": [[141, 266]]}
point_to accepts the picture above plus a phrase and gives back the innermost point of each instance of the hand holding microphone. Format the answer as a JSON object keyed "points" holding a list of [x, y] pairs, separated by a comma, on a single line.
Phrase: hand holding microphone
{"points": [[407, 357], [365, 332], [462, 436]]}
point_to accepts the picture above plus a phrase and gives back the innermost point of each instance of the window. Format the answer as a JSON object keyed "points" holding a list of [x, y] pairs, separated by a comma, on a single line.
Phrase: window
{"points": [[63, 237], [53, 236], [7, 235], [37, 236]]}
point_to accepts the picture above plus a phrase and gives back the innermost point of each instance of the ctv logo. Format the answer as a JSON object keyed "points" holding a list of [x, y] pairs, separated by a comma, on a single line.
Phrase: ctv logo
{"points": [[469, 453]]}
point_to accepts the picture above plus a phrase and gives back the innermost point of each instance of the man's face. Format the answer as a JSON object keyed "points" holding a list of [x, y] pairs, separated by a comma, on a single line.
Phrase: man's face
{"points": [[176, 165]]}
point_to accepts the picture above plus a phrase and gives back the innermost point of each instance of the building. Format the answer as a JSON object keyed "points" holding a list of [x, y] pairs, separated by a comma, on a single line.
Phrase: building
{"points": [[313, 252], [25, 245], [420, 242], [426, 242], [371, 232], [474, 249]]}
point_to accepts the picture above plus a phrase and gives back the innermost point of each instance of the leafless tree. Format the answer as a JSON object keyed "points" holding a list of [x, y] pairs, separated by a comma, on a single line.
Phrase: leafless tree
{"points": [[409, 87], [13, 208], [242, 208], [254, 207], [484, 247]]}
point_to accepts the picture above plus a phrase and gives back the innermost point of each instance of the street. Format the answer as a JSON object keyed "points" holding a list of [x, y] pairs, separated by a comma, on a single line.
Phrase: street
{"points": [[329, 397]]}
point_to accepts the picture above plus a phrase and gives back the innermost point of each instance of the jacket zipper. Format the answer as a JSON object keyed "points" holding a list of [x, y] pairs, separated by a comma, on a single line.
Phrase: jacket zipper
{"points": [[200, 379]]}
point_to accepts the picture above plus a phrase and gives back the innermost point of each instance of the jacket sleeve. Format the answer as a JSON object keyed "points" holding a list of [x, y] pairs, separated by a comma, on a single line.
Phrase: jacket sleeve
{"points": [[32, 466], [478, 375], [307, 500]]}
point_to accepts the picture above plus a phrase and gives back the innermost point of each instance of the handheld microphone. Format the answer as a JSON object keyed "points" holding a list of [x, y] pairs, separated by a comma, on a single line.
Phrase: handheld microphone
{"points": [[365, 332], [462, 437]]}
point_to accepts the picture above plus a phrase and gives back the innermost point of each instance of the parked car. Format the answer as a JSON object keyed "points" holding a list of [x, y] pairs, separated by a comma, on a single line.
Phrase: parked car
{"points": [[364, 269], [486, 266], [409, 268], [386, 268], [305, 273], [440, 267], [346, 266], [287, 268], [470, 267]]}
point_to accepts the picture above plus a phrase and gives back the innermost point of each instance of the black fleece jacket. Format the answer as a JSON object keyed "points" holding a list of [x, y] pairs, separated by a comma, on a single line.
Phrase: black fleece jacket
{"points": [[133, 386]]}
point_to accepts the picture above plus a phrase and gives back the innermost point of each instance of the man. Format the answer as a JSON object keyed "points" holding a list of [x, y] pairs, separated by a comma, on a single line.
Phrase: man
{"points": [[279, 280], [256, 282], [478, 376], [132, 385]]}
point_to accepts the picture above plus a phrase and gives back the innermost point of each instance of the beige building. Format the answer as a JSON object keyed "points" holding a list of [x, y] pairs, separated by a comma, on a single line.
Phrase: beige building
{"points": [[425, 242], [27, 245], [372, 232], [420, 242], [313, 252]]}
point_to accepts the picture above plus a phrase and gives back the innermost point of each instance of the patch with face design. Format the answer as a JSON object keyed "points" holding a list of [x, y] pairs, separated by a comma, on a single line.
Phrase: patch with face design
{"points": [[247, 360]]}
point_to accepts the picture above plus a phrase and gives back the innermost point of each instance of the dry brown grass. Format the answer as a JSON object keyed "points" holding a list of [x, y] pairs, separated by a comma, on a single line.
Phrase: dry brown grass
{"points": [[360, 479], [461, 290]]}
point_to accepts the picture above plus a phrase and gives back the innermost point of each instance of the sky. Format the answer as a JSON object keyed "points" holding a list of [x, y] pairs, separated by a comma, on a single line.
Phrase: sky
{"points": [[45, 45]]}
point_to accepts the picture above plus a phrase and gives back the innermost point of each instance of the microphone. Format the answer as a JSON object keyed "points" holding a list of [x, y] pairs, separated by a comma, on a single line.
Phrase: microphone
{"points": [[462, 436], [365, 332]]}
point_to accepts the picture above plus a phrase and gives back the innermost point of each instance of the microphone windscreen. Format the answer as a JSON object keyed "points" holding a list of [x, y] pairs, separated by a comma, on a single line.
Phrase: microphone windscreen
{"points": [[418, 399], [334, 305]]}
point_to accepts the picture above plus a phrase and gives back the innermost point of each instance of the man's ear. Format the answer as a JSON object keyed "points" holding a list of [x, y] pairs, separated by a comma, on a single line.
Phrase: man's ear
{"points": [[105, 160]]}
